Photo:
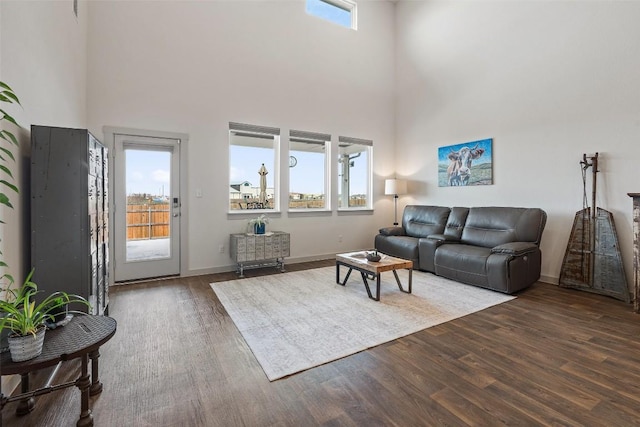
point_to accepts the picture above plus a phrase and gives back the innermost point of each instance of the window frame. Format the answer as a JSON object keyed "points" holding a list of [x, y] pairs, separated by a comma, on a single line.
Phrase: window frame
{"points": [[259, 132], [349, 6], [320, 139], [368, 145]]}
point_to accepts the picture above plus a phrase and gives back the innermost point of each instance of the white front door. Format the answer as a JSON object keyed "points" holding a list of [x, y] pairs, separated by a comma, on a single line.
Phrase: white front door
{"points": [[147, 207]]}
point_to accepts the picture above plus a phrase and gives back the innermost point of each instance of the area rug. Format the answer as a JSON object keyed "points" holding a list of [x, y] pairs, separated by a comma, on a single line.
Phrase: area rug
{"points": [[295, 321]]}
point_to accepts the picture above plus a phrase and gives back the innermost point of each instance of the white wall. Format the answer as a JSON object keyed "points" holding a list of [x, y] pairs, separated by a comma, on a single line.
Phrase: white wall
{"points": [[192, 67], [548, 81], [43, 58]]}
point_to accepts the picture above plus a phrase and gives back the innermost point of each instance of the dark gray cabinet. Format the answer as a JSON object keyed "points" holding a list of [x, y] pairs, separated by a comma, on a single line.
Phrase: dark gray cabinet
{"points": [[70, 214]]}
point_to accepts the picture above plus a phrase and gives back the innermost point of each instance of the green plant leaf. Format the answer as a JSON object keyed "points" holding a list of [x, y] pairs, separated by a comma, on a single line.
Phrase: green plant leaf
{"points": [[10, 96], [4, 200], [8, 184], [8, 136], [9, 92], [6, 116], [8, 153], [6, 170]]}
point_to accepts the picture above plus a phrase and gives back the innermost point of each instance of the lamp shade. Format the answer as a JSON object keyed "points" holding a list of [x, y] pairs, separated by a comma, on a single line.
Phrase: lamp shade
{"points": [[395, 186]]}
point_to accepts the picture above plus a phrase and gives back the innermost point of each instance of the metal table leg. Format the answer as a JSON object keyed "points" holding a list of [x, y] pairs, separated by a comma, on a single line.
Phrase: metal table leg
{"points": [[344, 282], [398, 281], [366, 285]]}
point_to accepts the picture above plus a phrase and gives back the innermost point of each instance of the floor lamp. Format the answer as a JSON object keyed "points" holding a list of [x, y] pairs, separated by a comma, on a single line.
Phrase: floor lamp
{"points": [[393, 187]]}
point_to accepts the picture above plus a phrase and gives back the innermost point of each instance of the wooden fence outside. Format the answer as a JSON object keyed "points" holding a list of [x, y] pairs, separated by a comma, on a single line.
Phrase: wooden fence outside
{"points": [[148, 221]]}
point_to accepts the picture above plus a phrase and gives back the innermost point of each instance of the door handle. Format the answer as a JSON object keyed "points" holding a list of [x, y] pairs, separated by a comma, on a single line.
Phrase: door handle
{"points": [[175, 215]]}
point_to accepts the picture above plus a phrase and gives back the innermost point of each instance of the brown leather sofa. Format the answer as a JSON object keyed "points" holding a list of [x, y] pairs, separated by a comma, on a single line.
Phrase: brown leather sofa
{"points": [[492, 247]]}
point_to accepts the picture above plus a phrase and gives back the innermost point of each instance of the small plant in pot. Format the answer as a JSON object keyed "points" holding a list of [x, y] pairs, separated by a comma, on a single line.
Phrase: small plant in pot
{"points": [[57, 308], [26, 319], [258, 225]]}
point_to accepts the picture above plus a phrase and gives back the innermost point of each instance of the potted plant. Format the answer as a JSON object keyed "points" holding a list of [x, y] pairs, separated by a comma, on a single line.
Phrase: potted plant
{"points": [[258, 225], [58, 309], [26, 319], [8, 142]]}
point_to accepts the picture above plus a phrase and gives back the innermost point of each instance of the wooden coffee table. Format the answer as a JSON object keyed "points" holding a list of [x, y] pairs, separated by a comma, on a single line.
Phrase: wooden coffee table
{"points": [[371, 270]]}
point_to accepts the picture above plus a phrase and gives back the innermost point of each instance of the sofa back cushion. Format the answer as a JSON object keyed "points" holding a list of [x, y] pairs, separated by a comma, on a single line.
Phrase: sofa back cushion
{"points": [[493, 226], [455, 222], [421, 221]]}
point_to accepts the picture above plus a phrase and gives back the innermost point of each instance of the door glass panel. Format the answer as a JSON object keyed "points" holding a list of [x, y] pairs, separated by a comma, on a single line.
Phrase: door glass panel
{"points": [[148, 178]]}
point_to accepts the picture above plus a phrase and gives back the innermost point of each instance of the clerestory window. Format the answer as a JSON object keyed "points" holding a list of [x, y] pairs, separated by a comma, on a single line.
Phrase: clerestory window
{"points": [[341, 12]]}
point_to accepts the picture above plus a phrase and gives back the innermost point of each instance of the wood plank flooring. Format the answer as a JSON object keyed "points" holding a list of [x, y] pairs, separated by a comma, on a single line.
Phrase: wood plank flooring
{"points": [[552, 356]]}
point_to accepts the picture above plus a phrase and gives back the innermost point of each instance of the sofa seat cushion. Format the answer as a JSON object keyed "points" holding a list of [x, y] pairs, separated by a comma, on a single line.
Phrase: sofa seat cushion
{"points": [[464, 263], [405, 247]]}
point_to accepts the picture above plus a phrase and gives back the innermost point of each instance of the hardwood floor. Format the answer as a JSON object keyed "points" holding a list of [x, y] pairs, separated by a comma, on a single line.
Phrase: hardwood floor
{"points": [[552, 356]]}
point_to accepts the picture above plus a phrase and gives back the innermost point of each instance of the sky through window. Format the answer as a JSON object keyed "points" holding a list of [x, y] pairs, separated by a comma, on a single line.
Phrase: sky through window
{"points": [[329, 12]]}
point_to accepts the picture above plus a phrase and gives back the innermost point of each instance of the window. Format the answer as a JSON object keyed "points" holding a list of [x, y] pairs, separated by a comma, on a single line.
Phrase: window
{"points": [[253, 168], [354, 173], [307, 169], [341, 12]]}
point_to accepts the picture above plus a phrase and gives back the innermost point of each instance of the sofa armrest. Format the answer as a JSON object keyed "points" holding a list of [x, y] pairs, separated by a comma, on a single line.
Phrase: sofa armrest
{"points": [[515, 248], [444, 238], [392, 231]]}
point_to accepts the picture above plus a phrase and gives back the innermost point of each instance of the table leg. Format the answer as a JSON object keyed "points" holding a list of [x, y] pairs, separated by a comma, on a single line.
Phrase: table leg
{"points": [[26, 405], [83, 383], [344, 282], [96, 385], [241, 268], [400, 284], [366, 285]]}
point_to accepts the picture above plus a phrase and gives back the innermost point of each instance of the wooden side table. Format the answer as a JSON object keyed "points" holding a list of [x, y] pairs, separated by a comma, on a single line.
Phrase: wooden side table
{"points": [[259, 250], [80, 338]]}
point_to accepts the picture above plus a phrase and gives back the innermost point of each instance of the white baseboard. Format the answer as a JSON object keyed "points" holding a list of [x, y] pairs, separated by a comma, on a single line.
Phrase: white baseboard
{"points": [[232, 267], [549, 279]]}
